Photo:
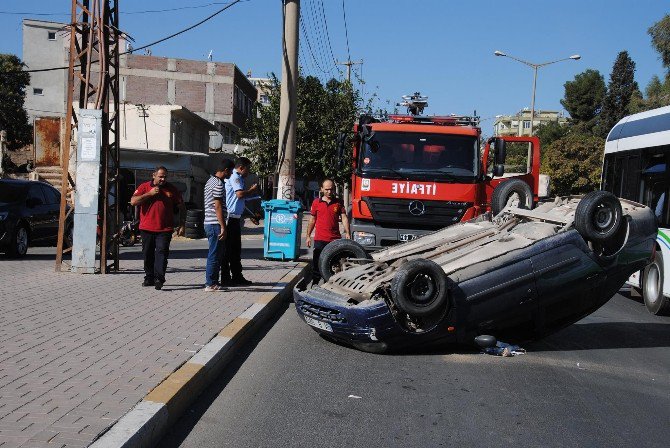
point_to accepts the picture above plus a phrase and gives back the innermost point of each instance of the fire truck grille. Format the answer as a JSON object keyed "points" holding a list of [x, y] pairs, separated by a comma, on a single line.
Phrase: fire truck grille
{"points": [[418, 214]]}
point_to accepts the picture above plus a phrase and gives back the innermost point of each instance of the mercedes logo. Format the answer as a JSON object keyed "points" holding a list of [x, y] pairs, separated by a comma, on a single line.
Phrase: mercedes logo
{"points": [[417, 208]]}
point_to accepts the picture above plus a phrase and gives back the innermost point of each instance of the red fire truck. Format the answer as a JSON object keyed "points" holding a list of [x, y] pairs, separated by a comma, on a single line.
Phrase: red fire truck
{"points": [[414, 174]]}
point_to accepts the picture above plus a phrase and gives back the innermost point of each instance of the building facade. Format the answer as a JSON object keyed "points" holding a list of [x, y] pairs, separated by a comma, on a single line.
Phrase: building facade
{"points": [[519, 124], [216, 91]]}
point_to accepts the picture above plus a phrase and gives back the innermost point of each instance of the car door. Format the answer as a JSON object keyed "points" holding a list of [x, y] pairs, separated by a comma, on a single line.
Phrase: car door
{"points": [[566, 280], [36, 213], [52, 208], [501, 295]]}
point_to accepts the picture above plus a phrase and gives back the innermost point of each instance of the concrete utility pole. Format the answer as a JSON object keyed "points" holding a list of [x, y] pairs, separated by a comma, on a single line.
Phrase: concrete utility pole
{"points": [[349, 63], [288, 110]]}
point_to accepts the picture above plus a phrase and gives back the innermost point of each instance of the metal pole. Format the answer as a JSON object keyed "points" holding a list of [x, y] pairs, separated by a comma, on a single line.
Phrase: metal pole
{"points": [[532, 101], [288, 110]]}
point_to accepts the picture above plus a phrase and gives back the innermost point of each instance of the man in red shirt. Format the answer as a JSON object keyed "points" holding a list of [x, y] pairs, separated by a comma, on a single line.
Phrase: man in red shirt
{"points": [[157, 200], [326, 214]]}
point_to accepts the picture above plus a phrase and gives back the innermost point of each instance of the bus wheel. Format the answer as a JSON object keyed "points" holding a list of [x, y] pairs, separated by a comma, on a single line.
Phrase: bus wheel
{"points": [[419, 288], [598, 216], [652, 287], [513, 192], [336, 253]]}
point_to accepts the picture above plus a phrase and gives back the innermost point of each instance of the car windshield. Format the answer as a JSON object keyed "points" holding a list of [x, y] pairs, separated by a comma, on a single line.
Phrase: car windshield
{"points": [[411, 155], [11, 192]]}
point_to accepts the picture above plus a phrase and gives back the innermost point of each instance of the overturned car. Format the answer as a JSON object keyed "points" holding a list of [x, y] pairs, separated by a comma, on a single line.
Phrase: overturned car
{"points": [[520, 275]]}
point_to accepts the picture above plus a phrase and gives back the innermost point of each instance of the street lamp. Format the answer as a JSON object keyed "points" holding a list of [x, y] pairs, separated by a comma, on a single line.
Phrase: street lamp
{"points": [[535, 67]]}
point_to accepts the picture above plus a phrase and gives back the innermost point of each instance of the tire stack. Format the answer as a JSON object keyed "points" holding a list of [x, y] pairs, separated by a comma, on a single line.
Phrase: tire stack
{"points": [[194, 224]]}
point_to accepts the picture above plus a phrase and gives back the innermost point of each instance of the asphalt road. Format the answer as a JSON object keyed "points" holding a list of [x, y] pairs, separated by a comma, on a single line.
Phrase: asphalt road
{"points": [[601, 382]]}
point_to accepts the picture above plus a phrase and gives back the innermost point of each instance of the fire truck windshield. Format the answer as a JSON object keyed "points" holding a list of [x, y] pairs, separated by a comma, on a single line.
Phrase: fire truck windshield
{"points": [[412, 155]]}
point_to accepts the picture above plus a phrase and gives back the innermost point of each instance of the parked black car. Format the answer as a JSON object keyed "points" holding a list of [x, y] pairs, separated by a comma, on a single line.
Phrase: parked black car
{"points": [[522, 274], [29, 216]]}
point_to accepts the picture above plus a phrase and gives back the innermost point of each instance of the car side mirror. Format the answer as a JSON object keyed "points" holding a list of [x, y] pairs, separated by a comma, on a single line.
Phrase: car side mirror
{"points": [[498, 170], [500, 151]]}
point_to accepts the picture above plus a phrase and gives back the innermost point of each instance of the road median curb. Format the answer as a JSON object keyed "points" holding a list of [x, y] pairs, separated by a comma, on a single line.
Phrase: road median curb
{"points": [[149, 420]]}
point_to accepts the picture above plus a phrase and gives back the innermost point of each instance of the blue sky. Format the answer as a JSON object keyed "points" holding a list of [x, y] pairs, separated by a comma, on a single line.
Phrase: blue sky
{"points": [[442, 48]]}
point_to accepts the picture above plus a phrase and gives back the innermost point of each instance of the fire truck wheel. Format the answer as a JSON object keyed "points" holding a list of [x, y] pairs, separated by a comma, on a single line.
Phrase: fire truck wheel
{"points": [[335, 253], [598, 216], [419, 288], [514, 192]]}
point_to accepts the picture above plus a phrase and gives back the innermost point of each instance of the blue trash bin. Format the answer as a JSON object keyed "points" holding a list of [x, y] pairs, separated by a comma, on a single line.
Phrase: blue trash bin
{"points": [[282, 229]]}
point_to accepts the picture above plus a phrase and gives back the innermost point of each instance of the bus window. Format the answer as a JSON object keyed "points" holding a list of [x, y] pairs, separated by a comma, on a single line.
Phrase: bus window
{"points": [[656, 191]]}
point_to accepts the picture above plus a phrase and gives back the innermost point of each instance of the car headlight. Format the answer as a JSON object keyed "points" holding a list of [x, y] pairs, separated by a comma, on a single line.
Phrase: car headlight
{"points": [[365, 238], [3, 215]]}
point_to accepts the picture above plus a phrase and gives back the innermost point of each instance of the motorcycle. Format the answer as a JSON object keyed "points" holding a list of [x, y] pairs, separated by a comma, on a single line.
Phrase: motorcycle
{"points": [[129, 233]]}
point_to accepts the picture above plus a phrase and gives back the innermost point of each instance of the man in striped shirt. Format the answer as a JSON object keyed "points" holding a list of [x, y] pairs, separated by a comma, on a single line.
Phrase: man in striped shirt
{"points": [[215, 223]]}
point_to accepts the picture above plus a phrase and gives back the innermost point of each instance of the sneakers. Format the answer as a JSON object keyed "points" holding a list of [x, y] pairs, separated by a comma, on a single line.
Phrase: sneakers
{"points": [[214, 288], [148, 282], [158, 284], [241, 282]]}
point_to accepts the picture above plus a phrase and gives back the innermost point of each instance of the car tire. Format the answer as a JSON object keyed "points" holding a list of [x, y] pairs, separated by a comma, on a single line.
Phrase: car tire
{"points": [[513, 192], [18, 246], [598, 216], [194, 220], [652, 287], [419, 288], [194, 234], [335, 252]]}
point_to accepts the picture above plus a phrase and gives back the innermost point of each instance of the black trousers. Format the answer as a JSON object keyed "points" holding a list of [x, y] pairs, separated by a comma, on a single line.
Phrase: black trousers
{"points": [[231, 265], [156, 250], [316, 253]]}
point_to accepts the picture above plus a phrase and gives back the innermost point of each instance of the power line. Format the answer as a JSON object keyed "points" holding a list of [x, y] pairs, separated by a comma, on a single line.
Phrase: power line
{"points": [[346, 31], [321, 40], [135, 49], [330, 47], [309, 46], [18, 13]]}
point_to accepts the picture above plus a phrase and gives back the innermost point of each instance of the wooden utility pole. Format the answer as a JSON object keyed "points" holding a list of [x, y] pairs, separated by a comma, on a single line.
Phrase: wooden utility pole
{"points": [[288, 110], [349, 63]]}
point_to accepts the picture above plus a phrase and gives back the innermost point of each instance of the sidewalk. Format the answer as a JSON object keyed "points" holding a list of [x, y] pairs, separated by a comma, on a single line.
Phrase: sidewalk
{"points": [[79, 352]]}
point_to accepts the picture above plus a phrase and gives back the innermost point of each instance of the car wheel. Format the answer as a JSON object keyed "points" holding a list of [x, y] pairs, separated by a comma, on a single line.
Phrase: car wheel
{"points": [[335, 252], [419, 288], [513, 192], [652, 287], [19, 242], [598, 216]]}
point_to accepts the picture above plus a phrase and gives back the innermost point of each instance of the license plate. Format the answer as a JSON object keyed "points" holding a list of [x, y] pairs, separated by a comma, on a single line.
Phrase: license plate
{"points": [[408, 236], [318, 324]]}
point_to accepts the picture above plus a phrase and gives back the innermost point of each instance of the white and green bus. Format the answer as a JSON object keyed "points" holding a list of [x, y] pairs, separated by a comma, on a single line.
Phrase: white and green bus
{"points": [[637, 167]]}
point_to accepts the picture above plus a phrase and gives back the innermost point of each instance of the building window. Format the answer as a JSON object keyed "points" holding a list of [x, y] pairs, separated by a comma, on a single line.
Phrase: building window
{"points": [[38, 91], [526, 124], [51, 35]]}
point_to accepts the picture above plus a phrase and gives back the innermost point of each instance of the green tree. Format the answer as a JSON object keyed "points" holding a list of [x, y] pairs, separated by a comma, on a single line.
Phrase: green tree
{"points": [[660, 39], [620, 90], [323, 112], [551, 131], [13, 117], [584, 96], [574, 163]]}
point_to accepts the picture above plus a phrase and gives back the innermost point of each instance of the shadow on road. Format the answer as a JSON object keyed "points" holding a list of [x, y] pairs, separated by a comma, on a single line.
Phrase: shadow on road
{"points": [[605, 335]]}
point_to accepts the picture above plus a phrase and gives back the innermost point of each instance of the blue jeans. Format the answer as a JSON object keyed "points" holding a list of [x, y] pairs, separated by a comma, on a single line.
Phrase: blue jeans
{"points": [[214, 256]]}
